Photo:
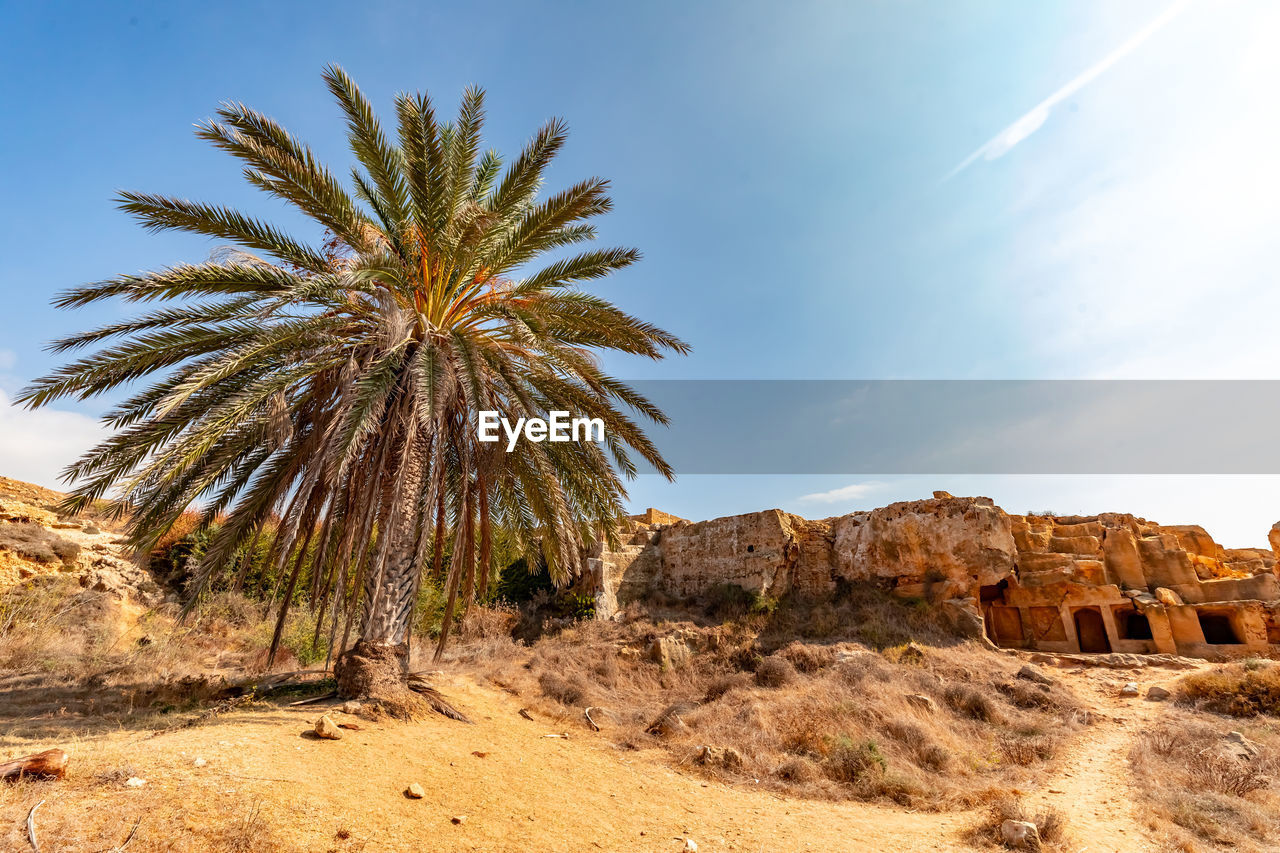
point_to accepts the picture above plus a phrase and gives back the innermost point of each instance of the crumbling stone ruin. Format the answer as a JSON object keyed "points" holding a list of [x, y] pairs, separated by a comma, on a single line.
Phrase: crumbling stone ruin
{"points": [[1106, 583]]}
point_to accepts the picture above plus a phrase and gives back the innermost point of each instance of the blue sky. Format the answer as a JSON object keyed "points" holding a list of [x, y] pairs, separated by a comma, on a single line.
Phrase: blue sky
{"points": [[789, 171]]}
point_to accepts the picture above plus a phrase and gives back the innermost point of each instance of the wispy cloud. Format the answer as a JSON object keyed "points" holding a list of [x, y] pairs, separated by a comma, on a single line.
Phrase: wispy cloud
{"points": [[36, 445], [844, 493], [1027, 124]]}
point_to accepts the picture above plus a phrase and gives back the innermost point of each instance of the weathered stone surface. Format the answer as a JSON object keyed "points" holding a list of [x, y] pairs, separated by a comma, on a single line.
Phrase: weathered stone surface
{"points": [[752, 551], [1030, 673], [963, 616], [1020, 835], [1033, 562], [327, 729], [922, 702], [725, 757], [1087, 545], [949, 547], [1194, 539], [1239, 746], [669, 652], [1112, 584]]}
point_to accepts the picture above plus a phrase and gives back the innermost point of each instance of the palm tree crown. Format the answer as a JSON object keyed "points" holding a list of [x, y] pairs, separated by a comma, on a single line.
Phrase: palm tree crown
{"points": [[325, 398]]}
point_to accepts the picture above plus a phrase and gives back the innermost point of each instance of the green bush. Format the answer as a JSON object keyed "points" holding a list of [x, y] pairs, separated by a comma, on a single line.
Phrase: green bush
{"points": [[518, 585], [849, 761]]}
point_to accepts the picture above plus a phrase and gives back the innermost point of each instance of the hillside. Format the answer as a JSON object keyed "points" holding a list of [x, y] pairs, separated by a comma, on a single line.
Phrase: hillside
{"points": [[858, 723]]}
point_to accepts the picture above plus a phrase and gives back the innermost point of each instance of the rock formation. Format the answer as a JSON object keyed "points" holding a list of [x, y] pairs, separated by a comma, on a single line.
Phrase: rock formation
{"points": [[1110, 582], [36, 542]]}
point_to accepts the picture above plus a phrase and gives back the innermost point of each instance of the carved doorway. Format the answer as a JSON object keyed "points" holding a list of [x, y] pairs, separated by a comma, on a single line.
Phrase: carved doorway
{"points": [[1091, 631]]}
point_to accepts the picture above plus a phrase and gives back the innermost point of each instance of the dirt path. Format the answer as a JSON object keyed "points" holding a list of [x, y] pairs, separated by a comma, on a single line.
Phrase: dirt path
{"points": [[1092, 789]]}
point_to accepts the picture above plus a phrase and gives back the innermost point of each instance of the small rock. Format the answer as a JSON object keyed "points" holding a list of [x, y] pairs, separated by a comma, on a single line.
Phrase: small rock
{"points": [[669, 652], [720, 756], [921, 701], [458, 819], [1156, 693], [1241, 747], [327, 729], [199, 762], [1130, 689], [414, 791], [1020, 834], [135, 782], [912, 653], [1168, 597], [351, 707], [1030, 673], [690, 846]]}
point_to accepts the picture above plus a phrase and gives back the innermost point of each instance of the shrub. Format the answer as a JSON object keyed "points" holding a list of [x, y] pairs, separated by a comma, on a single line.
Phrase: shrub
{"points": [[1228, 775], [1025, 751], [1241, 690], [775, 672], [916, 739], [570, 691], [518, 584], [1050, 823], [970, 702], [800, 770], [850, 761], [808, 658], [721, 685]]}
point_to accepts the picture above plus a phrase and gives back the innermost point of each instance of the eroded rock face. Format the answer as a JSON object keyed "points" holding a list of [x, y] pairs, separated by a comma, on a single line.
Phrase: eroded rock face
{"points": [[938, 548], [1112, 583], [752, 551]]}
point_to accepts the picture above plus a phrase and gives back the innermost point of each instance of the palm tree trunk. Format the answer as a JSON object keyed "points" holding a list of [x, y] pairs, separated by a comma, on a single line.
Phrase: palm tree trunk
{"points": [[379, 660]]}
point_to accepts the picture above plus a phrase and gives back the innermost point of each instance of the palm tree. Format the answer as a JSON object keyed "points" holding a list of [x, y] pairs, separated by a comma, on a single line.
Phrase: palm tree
{"points": [[325, 399]]}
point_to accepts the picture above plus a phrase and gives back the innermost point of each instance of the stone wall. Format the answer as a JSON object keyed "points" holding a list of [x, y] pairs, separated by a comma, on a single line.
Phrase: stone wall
{"points": [[1111, 582]]}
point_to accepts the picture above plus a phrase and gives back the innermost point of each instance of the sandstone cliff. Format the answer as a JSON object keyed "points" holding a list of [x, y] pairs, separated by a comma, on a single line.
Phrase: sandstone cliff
{"points": [[36, 542], [1034, 581]]}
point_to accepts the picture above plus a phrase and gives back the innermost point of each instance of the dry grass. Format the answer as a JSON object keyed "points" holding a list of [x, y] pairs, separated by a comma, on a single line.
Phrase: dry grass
{"points": [[1200, 795], [65, 650], [1243, 689], [825, 719], [37, 543], [1050, 824]]}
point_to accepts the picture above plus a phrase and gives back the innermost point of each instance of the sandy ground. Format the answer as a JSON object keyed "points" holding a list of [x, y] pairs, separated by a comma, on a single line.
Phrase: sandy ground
{"points": [[518, 789], [528, 792]]}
